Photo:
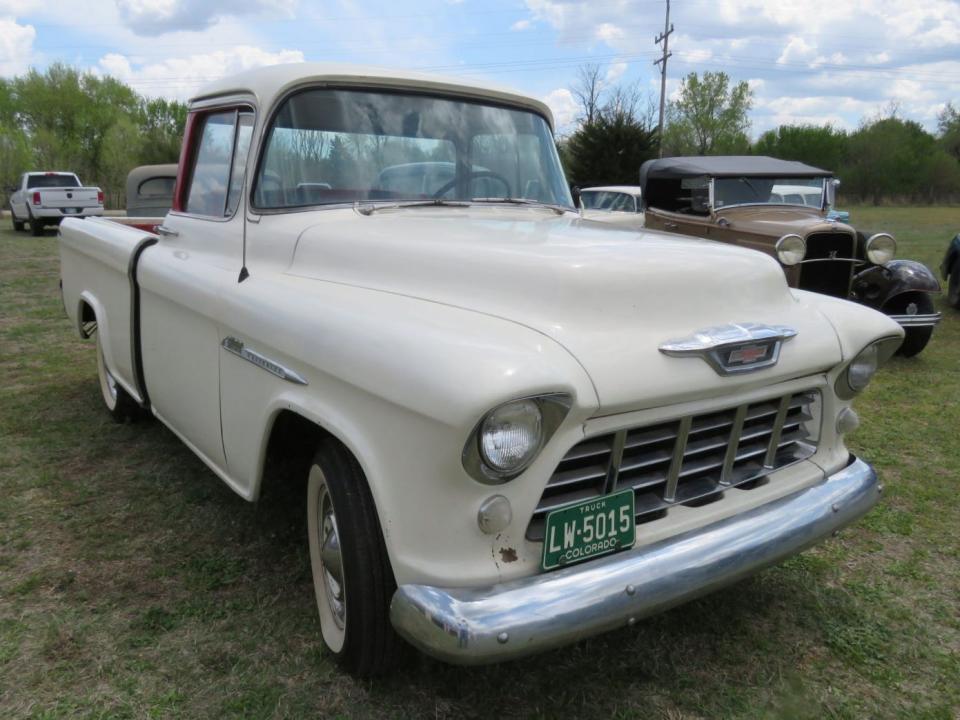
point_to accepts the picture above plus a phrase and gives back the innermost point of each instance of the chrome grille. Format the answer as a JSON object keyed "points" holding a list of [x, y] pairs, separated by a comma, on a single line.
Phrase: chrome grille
{"points": [[689, 461]]}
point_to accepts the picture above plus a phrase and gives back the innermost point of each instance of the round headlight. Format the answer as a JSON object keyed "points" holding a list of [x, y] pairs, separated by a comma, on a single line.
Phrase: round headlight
{"points": [[881, 248], [791, 249], [510, 436], [862, 369]]}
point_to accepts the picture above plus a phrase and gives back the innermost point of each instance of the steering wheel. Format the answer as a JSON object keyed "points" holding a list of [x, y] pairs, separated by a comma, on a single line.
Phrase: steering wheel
{"points": [[474, 174]]}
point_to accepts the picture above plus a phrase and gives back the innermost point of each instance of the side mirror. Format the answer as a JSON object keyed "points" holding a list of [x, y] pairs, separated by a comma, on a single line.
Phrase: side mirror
{"points": [[575, 192], [832, 185]]}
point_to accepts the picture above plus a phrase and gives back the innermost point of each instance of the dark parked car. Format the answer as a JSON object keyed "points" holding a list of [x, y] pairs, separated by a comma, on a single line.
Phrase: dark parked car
{"points": [[950, 270], [782, 208]]}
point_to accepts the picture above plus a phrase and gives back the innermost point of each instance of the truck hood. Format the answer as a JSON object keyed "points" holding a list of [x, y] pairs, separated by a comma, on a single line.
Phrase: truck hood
{"points": [[610, 297], [779, 220]]}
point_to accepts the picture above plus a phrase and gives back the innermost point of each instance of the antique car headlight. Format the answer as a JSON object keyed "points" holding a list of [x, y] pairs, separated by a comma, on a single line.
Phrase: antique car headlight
{"points": [[881, 248], [791, 249], [509, 437], [857, 374]]}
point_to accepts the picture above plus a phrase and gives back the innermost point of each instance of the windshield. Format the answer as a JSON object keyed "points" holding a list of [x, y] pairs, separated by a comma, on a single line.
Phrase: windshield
{"points": [[53, 180], [341, 146], [764, 190], [607, 200]]}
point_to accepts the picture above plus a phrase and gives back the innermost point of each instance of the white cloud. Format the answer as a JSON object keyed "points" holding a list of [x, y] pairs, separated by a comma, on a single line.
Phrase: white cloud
{"points": [[520, 25], [609, 33], [182, 77], [616, 71], [877, 58], [16, 46], [156, 17], [796, 49], [564, 109]]}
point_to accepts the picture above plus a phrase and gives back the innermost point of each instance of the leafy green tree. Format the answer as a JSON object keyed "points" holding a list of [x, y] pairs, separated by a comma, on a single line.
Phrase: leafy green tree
{"points": [[709, 117], [824, 147], [948, 123], [609, 150]]}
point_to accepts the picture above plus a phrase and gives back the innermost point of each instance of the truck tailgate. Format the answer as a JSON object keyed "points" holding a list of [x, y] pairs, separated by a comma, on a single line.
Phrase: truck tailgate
{"points": [[69, 197]]}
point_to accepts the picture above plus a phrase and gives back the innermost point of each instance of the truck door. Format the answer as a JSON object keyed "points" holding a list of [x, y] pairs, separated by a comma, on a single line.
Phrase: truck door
{"points": [[184, 276]]}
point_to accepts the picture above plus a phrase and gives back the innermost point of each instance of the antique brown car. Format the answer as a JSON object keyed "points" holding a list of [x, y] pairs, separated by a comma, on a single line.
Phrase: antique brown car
{"points": [[781, 208]]}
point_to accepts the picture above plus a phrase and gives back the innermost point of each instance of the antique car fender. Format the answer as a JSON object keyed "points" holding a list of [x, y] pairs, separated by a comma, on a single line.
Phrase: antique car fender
{"points": [[877, 285]]}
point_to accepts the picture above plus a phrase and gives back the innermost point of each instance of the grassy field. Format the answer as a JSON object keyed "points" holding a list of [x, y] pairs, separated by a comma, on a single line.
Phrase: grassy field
{"points": [[133, 583]]}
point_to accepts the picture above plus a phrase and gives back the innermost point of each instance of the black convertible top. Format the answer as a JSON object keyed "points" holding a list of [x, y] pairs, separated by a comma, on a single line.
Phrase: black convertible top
{"points": [[726, 166]]}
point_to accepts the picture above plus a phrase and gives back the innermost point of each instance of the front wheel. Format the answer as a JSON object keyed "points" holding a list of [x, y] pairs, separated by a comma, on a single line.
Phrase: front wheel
{"points": [[17, 224], [120, 404], [352, 578], [953, 290], [916, 338]]}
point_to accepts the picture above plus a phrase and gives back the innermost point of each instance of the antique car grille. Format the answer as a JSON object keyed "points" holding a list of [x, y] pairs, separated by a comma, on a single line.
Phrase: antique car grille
{"points": [[828, 278], [688, 461]]}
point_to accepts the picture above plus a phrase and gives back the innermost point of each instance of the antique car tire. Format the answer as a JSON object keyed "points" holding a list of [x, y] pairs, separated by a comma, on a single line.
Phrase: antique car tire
{"points": [[916, 339], [953, 289], [119, 404], [352, 577], [17, 224]]}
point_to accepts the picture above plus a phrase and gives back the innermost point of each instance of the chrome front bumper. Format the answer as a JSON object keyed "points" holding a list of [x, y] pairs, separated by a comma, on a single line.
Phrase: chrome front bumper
{"points": [[471, 626], [911, 321]]}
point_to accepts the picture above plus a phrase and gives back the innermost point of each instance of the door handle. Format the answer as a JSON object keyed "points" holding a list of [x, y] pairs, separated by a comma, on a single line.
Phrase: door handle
{"points": [[670, 226], [723, 222], [166, 232]]}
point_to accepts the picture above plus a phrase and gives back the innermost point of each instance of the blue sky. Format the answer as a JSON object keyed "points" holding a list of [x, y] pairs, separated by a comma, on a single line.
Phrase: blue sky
{"points": [[812, 61]]}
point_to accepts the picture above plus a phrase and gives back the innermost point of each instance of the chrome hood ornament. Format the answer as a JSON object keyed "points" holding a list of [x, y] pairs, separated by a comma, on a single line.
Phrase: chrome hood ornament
{"points": [[735, 348]]}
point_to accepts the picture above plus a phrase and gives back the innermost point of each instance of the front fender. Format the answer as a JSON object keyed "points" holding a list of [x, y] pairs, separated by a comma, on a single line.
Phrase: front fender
{"points": [[875, 286]]}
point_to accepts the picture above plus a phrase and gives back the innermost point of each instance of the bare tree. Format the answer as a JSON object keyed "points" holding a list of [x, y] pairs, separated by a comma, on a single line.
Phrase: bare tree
{"points": [[588, 91]]}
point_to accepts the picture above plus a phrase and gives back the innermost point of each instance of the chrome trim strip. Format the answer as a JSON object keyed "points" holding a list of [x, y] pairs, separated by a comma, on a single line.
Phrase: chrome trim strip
{"points": [[771, 455], [726, 473], [676, 462], [929, 320], [236, 347], [472, 626]]}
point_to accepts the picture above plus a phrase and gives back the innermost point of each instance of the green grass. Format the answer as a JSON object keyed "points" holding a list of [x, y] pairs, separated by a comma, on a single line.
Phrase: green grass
{"points": [[133, 583]]}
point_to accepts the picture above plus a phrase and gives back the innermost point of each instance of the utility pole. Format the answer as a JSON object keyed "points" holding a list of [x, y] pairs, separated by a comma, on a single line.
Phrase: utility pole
{"points": [[664, 37]]}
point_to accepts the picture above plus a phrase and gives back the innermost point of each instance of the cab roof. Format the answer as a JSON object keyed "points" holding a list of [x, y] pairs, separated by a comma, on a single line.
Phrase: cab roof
{"points": [[269, 83]]}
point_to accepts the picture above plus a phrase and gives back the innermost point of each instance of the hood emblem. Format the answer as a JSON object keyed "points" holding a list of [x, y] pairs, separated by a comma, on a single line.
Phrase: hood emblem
{"points": [[735, 348]]}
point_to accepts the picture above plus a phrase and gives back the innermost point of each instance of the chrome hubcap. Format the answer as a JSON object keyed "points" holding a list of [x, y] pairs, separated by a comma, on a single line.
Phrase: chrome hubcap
{"points": [[331, 560], [912, 309]]}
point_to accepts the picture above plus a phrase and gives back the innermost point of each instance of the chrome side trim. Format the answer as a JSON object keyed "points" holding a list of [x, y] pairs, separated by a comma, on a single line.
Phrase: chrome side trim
{"points": [[235, 346], [717, 345], [471, 626], [906, 321]]}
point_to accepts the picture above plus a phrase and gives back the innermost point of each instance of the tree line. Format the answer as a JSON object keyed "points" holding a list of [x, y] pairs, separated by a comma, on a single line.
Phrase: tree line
{"points": [[886, 159], [98, 127]]}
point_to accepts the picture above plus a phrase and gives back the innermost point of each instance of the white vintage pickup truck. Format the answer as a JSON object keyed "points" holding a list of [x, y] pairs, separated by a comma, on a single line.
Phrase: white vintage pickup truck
{"points": [[516, 428], [45, 198]]}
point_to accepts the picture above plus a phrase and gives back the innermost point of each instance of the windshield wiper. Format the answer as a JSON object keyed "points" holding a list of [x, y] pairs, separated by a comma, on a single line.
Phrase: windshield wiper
{"points": [[559, 209], [370, 208]]}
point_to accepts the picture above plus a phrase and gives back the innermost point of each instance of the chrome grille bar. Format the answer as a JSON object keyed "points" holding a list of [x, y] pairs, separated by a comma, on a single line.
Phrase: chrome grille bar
{"points": [[726, 473], [690, 460], [616, 456], [676, 463], [774, 445]]}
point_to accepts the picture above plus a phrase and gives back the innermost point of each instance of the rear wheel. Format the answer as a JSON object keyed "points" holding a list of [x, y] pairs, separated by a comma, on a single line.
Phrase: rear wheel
{"points": [[352, 578], [36, 227], [916, 338], [119, 404], [953, 289]]}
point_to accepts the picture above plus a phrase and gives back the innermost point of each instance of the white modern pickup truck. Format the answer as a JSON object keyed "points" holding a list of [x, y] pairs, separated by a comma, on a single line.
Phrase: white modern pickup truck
{"points": [[45, 198], [516, 428]]}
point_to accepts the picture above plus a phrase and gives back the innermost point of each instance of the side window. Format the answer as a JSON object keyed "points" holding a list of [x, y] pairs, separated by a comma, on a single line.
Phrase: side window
{"points": [[217, 179]]}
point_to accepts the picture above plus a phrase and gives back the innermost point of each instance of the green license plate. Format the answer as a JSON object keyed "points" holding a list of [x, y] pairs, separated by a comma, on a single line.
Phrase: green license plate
{"points": [[587, 529]]}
